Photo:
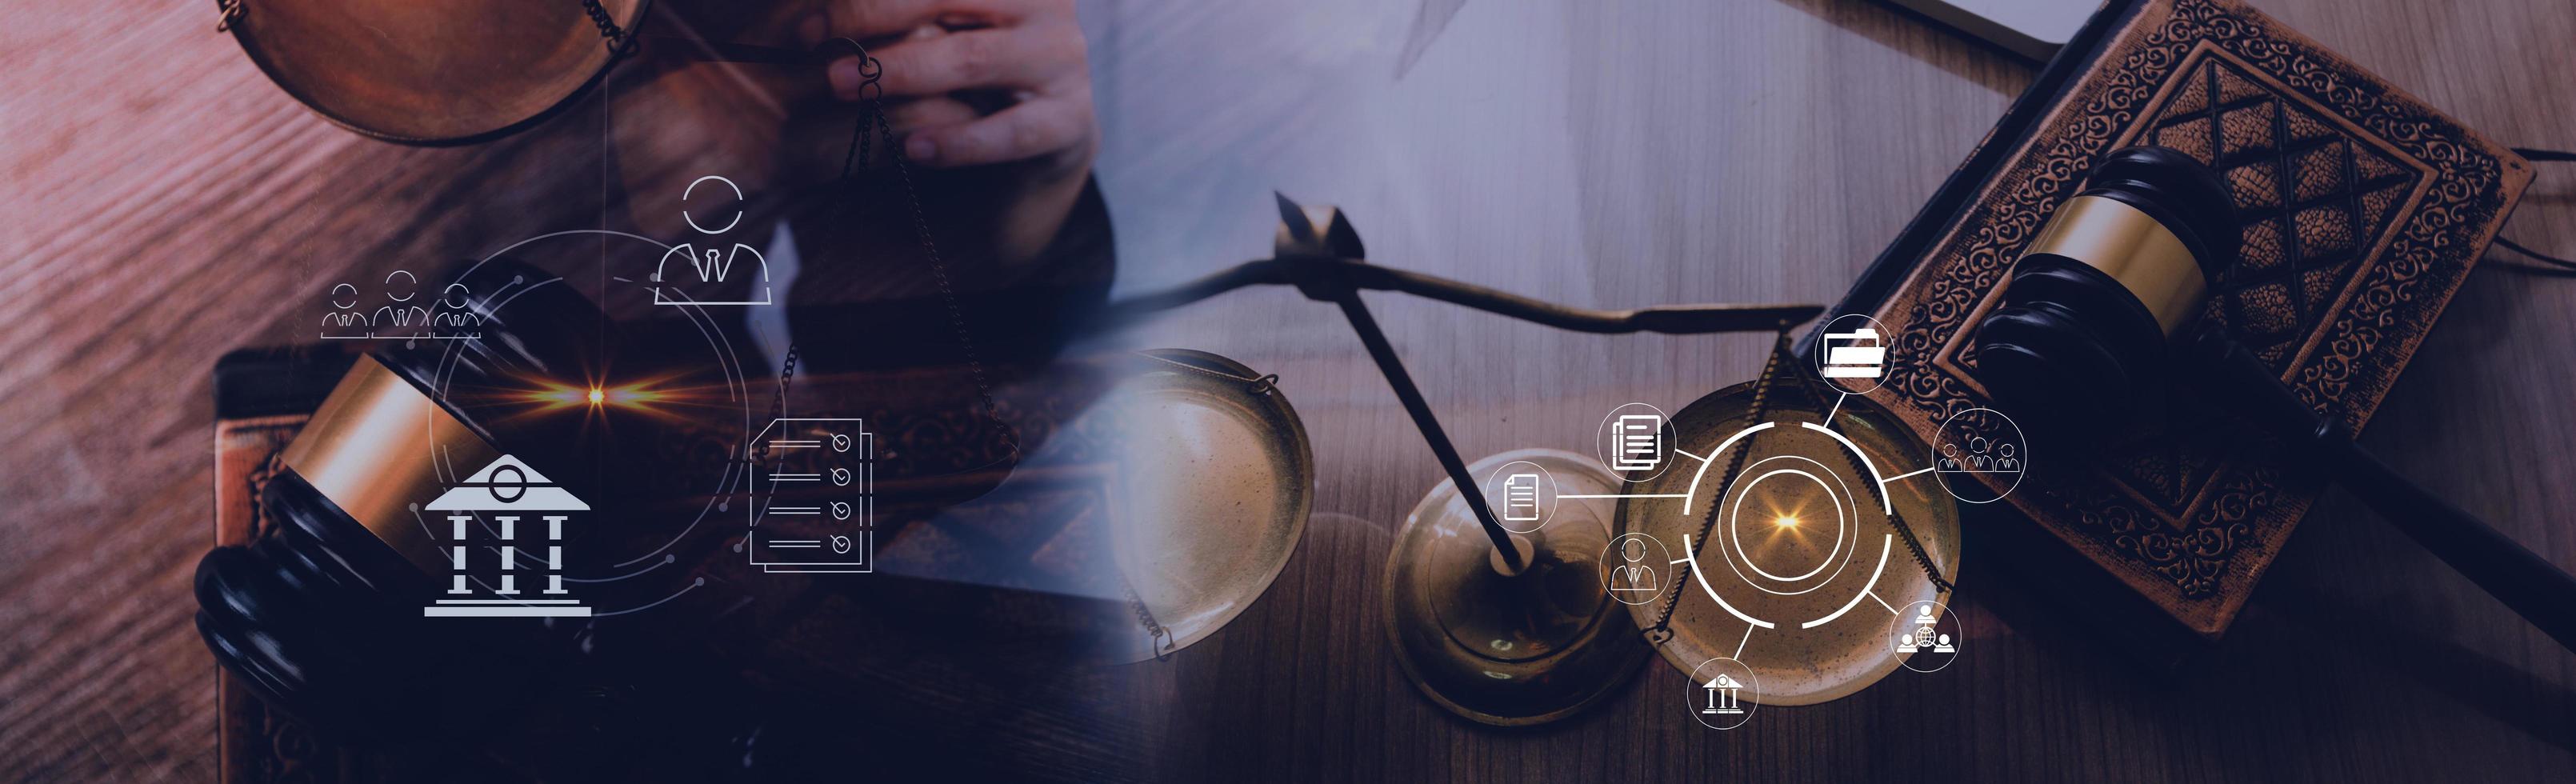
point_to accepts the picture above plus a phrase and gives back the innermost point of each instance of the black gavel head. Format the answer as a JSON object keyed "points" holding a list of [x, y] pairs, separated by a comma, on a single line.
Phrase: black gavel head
{"points": [[2097, 302], [322, 613]]}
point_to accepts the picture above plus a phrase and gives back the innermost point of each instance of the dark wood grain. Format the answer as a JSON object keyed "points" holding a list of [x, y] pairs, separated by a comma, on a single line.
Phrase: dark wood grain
{"points": [[168, 204]]}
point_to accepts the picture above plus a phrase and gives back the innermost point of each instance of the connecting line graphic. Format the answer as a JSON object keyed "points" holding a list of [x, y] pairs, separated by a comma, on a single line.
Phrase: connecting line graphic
{"points": [[1886, 543], [1624, 495], [693, 585], [1702, 576], [1676, 450], [1887, 504], [1828, 429], [1882, 602], [1693, 491], [667, 559]]}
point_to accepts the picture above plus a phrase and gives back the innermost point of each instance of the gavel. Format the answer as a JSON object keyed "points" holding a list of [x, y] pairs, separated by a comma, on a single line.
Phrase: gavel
{"points": [[2101, 308], [323, 613]]}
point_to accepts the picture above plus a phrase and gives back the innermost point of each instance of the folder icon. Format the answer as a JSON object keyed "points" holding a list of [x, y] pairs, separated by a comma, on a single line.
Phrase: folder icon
{"points": [[1854, 354]]}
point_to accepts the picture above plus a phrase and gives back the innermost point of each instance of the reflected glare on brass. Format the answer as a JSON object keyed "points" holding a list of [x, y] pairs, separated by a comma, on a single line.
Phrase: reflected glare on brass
{"points": [[1215, 482], [446, 72], [2130, 246], [1795, 666], [1501, 628], [1520, 649]]}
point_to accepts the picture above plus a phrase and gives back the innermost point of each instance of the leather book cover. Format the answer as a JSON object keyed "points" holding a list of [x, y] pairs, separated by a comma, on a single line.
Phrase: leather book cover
{"points": [[252, 744], [2362, 208], [262, 398]]}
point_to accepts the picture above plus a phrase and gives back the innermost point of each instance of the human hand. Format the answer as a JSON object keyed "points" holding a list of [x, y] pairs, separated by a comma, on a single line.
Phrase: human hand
{"points": [[1000, 85], [973, 82]]}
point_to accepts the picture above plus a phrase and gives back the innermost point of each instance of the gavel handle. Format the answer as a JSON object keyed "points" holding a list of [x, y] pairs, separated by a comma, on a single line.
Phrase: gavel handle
{"points": [[2538, 590]]}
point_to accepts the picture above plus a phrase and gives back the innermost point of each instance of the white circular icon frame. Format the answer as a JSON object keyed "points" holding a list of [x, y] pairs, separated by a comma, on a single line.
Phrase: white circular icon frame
{"points": [[1605, 442], [1909, 617], [1704, 706], [1498, 497], [1837, 375], [2020, 442], [1651, 556]]}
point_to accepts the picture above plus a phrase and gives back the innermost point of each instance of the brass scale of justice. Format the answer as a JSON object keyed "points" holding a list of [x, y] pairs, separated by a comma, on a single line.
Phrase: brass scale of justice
{"points": [[1504, 629]]}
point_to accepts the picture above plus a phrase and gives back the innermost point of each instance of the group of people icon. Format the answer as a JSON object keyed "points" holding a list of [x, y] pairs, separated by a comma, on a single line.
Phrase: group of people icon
{"points": [[1981, 456], [1924, 637], [400, 317]]}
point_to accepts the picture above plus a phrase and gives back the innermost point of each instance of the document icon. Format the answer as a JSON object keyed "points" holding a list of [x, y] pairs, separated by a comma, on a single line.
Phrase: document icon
{"points": [[1854, 354], [1520, 498], [1641, 442]]}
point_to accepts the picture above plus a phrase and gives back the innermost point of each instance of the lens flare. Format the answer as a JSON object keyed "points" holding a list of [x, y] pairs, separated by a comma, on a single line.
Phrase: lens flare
{"points": [[659, 397]]}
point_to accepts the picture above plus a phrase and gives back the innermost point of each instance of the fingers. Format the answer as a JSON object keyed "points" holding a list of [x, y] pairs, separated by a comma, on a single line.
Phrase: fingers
{"points": [[818, 136], [864, 19], [1017, 57], [1045, 126], [1021, 57], [871, 18], [938, 56], [916, 114]]}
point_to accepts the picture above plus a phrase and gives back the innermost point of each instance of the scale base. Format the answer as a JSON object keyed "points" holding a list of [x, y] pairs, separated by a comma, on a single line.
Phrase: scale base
{"points": [[1511, 649]]}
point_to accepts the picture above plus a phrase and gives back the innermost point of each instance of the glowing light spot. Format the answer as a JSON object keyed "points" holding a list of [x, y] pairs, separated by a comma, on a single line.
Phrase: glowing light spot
{"points": [[596, 396], [1786, 521]]}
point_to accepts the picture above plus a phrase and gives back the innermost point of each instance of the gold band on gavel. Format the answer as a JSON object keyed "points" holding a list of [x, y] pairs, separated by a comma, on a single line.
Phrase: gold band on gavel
{"points": [[2131, 247], [374, 449]]}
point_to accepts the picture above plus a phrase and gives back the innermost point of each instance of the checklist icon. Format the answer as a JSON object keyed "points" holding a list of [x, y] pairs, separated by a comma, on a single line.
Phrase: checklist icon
{"points": [[811, 496]]}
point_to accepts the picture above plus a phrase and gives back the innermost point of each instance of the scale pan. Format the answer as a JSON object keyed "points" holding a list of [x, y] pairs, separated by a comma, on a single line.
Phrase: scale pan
{"points": [[1793, 664], [1216, 479], [1511, 650], [430, 73]]}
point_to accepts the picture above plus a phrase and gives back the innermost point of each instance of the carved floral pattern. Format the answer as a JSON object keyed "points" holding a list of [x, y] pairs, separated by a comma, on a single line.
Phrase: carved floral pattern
{"points": [[2197, 557]]}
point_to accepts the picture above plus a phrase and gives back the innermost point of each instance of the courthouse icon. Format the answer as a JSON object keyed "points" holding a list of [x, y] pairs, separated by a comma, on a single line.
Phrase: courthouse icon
{"points": [[512, 493]]}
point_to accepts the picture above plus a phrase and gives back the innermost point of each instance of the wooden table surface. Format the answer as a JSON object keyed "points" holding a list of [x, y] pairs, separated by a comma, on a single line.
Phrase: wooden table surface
{"points": [[171, 204]]}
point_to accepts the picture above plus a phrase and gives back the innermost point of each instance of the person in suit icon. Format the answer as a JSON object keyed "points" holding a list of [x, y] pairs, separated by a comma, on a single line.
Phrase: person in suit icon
{"points": [[452, 316], [401, 287], [344, 321], [714, 263], [1633, 575]]}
